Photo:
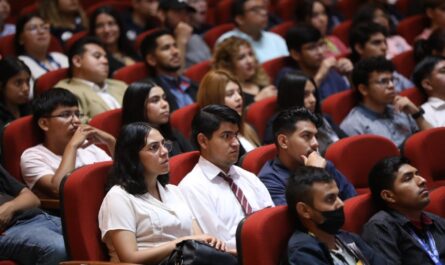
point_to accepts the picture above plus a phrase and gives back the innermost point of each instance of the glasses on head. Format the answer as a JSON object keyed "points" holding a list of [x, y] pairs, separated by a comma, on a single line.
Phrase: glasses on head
{"points": [[34, 28], [156, 146], [66, 115], [386, 81]]}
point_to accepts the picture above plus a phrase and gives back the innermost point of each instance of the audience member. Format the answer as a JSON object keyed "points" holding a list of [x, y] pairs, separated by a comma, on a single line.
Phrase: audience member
{"points": [[141, 17], [87, 78], [313, 199], [176, 16], [435, 11], [31, 44], [218, 210], [220, 87], [369, 40], [147, 102], [28, 234], [402, 231], [67, 144], [236, 56], [142, 218], [380, 110], [307, 49], [295, 132], [199, 17], [161, 54], [251, 19], [106, 24], [65, 16], [434, 45], [5, 28], [428, 77]]}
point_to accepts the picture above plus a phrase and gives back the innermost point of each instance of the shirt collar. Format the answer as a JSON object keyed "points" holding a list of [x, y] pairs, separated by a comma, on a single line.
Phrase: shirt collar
{"points": [[94, 86], [372, 115], [436, 103], [211, 171], [425, 220]]}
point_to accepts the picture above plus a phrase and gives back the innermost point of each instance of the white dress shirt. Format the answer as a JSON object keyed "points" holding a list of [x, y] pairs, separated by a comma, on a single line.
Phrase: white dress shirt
{"points": [[213, 203], [434, 111], [103, 93]]}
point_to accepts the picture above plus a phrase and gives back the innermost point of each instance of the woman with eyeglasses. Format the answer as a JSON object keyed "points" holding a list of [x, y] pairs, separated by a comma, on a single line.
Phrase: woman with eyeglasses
{"points": [[142, 218], [31, 43], [147, 102]]}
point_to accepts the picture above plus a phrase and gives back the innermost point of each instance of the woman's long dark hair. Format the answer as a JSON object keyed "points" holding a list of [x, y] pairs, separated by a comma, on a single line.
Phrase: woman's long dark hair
{"points": [[9, 67], [127, 170]]}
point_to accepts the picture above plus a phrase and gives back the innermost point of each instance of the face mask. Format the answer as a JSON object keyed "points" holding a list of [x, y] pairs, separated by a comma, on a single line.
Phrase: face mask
{"points": [[334, 220]]}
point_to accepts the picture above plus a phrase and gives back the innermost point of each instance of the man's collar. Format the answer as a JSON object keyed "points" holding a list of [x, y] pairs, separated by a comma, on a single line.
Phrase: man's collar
{"points": [[211, 171], [372, 115], [436, 103], [92, 85]]}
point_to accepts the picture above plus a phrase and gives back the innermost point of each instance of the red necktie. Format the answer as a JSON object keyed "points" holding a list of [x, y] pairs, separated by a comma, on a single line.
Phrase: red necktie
{"points": [[238, 194]]}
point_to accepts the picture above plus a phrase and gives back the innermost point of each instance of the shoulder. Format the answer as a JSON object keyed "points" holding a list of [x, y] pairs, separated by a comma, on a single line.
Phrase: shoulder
{"points": [[193, 178], [116, 83], [381, 218], [273, 36], [36, 150]]}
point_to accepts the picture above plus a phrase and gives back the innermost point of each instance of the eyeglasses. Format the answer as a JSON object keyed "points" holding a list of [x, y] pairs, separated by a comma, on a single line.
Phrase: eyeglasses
{"points": [[386, 81], [67, 115], [34, 28], [154, 147]]}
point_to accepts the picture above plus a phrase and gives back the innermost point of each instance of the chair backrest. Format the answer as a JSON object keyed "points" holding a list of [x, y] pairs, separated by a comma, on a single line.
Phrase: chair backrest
{"points": [[49, 79], [197, 71], [404, 63], [18, 136], [261, 238], [140, 38], [414, 95], [181, 165], [224, 14], [132, 73], [7, 45], [259, 113], [272, 67], [81, 196], [33, 8], [437, 201], [109, 121], [117, 5], [347, 7], [412, 26], [358, 210], [355, 156], [254, 160], [282, 28], [212, 35], [285, 9], [342, 30], [74, 38], [425, 150], [181, 119], [7, 262], [338, 105]]}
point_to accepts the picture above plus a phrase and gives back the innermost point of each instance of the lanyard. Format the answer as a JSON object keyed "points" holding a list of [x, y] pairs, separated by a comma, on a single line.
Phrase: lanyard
{"points": [[429, 248], [50, 60]]}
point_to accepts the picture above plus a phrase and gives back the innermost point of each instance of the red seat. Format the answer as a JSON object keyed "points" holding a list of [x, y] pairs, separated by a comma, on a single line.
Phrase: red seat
{"points": [[261, 238], [412, 26], [74, 38], [224, 14], [181, 119], [7, 45], [181, 165], [285, 9], [347, 7], [140, 38], [33, 8], [414, 95], [342, 30], [338, 105], [7, 262], [282, 28], [437, 202], [16, 7], [355, 156], [132, 73], [109, 121], [273, 67], [49, 79], [358, 210], [212, 35], [404, 63], [197, 71], [425, 150], [119, 6], [260, 112], [254, 160]]}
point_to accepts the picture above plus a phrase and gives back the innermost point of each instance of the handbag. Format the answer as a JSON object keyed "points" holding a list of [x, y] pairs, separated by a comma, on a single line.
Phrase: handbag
{"points": [[193, 252]]}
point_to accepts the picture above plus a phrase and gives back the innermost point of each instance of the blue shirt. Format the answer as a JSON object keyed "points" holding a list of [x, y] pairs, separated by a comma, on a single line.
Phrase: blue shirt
{"points": [[181, 89], [274, 176]]}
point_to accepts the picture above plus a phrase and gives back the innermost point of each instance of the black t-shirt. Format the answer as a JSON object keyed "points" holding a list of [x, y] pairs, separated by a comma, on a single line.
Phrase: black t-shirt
{"points": [[9, 189]]}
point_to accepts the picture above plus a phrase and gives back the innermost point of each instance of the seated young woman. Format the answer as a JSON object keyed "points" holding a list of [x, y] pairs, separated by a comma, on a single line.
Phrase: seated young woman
{"points": [[142, 218], [147, 102]]}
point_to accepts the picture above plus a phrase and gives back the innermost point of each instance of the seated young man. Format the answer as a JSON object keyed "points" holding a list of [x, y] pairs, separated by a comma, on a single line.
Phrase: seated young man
{"points": [[312, 198], [428, 77], [67, 144], [27, 234], [380, 110], [402, 231]]}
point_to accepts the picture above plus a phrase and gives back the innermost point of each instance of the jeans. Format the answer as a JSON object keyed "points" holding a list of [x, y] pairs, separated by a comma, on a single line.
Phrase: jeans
{"points": [[38, 240]]}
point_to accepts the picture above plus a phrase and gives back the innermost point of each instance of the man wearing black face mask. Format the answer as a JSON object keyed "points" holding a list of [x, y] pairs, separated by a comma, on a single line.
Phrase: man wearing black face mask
{"points": [[312, 197]]}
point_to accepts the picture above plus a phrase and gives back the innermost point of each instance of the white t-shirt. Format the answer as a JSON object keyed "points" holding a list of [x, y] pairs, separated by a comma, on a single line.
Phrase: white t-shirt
{"points": [[39, 161], [434, 111], [152, 221]]}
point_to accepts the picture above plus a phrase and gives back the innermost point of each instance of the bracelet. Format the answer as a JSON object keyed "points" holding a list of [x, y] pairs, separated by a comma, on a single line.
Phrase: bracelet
{"points": [[418, 114]]}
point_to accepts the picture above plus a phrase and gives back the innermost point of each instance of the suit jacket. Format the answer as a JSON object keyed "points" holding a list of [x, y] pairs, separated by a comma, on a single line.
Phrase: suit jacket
{"points": [[90, 102]]}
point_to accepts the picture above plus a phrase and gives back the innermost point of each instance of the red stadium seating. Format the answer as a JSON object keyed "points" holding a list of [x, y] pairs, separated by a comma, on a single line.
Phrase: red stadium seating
{"points": [[254, 160], [259, 113], [358, 210], [212, 35], [273, 67], [49, 79], [338, 105], [181, 165], [282, 28], [132, 73], [342, 30], [181, 119], [7, 45], [404, 63], [197, 71], [412, 26], [414, 95], [437, 202]]}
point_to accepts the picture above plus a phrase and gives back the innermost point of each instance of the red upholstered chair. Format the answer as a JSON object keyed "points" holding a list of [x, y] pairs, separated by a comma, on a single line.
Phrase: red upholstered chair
{"points": [[355, 156], [212, 35], [261, 238], [117, 5], [140, 38], [7, 45], [425, 151], [254, 160], [338, 105], [259, 113], [285, 9], [7, 262], [108, 121], [412, 26], [414, 95], [437, 202], [132, 73], [49, 79], [272, 67], [404, 63], [358, 210], [76, 36], [33, 8], [16, 7], [347, 7], [224, 14], [341, 31], [181, 119], [181, 165], [197, 71], [282, 28]]}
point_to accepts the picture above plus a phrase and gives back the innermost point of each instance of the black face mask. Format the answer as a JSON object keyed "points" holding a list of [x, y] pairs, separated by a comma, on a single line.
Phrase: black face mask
{"points": [[334, 220]]}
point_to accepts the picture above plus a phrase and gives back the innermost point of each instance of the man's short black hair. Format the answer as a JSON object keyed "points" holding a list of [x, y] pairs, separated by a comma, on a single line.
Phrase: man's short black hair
{"points": [[78, 48], [238, 8], [364, 68], [382, 177], [300, 35], [286, 120], [423, 70], [209, 119], [361, 34], [149, 43]]}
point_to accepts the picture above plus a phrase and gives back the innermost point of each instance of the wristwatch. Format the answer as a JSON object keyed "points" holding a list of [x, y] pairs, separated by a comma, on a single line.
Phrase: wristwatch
{"points": [[418, 114]]}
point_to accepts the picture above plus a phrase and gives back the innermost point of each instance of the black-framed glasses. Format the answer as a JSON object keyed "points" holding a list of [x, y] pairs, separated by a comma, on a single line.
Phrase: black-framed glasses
{"points": [[154, 147], [67, 115], [386, 81]]}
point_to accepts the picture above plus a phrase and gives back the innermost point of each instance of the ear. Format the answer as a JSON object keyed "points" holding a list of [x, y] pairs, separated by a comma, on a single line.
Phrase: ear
{"points": [[358, 48], [426, 84], [202, 141], [77, 61], [43, 124], [387, 196], [282, 141], [303, 210], [362, 89], [239, 20], [160, 14], [295, 55], [429, 12], [151, 60]]}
